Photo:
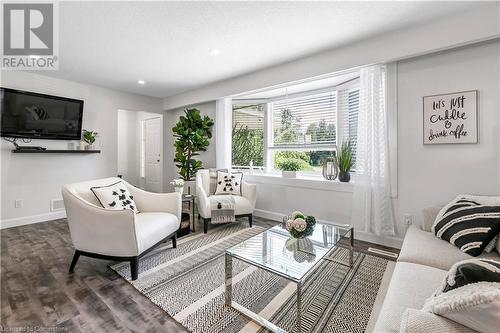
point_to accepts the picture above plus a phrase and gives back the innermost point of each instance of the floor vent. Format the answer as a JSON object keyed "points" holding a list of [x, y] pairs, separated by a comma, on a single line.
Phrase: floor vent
{"points": [[382, 252], [56, 205]]}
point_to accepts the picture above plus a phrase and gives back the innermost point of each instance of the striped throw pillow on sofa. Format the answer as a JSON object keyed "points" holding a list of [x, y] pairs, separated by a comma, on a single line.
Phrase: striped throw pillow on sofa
{"points": [[469, 222]]}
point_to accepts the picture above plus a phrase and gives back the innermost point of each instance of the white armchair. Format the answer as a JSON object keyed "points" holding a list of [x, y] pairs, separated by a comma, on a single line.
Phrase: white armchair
{"points": [[244, 205], [119, 235]]}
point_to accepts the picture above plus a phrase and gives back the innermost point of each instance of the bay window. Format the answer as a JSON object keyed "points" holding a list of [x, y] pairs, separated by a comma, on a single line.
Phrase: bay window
{"points": [[304, 127]]}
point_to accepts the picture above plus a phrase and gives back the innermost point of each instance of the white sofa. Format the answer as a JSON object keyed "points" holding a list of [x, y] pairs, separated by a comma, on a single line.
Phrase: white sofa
{"points": [[119, 235], [422, 264], [244, 204]]}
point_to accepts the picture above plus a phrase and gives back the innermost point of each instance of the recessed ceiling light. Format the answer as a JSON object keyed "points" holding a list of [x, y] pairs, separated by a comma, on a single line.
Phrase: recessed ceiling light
{"points": [[141, 81], [214, 52]]}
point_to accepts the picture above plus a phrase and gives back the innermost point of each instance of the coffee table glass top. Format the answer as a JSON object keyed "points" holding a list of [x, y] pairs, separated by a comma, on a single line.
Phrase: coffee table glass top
{"points": [[275, 250]]}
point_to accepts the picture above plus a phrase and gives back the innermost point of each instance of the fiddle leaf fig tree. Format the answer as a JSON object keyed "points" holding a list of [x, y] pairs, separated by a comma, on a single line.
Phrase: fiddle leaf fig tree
{"points": [[193, 133]]}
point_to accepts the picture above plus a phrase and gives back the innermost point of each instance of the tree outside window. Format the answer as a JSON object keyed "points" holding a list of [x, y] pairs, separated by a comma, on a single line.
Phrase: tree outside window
{"points": [[248, 135]]}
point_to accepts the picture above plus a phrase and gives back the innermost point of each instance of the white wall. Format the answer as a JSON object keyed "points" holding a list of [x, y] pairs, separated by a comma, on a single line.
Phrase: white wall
{"points": [[276, 196], [451, 31], [433, 175], [170, 119], [427, 175], [37, 178], [128, 162], [129, 144]]}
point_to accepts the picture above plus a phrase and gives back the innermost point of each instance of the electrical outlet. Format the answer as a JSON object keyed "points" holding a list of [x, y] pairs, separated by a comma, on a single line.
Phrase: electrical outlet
{"points": [[408, 219], [18, 203]]}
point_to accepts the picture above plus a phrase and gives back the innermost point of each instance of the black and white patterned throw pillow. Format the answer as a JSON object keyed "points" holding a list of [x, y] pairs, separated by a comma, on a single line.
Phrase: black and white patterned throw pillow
{"points": [[229, 183], [470, 271], [114, 197], [213, 180], [469, 222], [469, 295]]}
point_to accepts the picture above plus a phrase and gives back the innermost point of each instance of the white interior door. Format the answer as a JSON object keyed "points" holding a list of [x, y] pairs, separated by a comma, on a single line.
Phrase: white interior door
{"points": [[153, 156]]}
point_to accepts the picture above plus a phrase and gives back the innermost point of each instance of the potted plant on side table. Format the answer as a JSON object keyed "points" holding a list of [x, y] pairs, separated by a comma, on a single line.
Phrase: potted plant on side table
{"points": [[193, 133], [344, 161], [178, 185]]}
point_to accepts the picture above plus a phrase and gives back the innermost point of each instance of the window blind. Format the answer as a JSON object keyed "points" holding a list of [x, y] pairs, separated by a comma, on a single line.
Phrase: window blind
{"points": [[306, 121], [349, 103], [351, 119], [250, 116]]}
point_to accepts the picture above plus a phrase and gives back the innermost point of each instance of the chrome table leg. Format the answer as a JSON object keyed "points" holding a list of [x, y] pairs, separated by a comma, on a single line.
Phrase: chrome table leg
{"points": [[299, 306], [351, 248], [228, 279]]}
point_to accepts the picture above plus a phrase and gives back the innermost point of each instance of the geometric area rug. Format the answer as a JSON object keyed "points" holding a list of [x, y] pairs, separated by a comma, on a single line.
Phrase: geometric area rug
{"points": [[188, 283]]}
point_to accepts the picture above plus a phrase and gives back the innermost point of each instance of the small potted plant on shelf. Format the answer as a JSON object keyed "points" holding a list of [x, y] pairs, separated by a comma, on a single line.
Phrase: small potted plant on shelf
{"points": [[178, 185], [289, 167], [89, 137], [344, 161]]}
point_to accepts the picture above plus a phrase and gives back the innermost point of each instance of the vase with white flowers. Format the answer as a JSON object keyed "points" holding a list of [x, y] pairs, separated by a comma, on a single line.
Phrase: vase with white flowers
{"points": [[299, 225], [178, 185]]}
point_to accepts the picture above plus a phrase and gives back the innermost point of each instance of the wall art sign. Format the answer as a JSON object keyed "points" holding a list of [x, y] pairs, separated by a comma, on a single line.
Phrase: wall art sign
{"points": [[451, 118]]}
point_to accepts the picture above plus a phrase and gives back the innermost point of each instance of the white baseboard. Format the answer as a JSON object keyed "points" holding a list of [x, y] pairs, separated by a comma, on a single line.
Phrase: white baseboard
{"points": [[268, 214], [395, 242], [18, 221]]}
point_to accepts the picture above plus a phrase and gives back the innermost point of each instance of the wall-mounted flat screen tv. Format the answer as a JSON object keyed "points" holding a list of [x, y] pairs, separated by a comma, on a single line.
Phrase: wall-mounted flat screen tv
{"points": [[31, 115]]}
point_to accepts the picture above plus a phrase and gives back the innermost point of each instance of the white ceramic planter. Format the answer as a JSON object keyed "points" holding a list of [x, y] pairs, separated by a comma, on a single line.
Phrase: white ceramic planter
{"points": [[289, 174], [190, 187], [89, 147]]}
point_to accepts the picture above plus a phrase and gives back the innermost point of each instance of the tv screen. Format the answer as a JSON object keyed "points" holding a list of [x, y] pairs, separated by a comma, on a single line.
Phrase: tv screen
{"points": [[35, 116]]}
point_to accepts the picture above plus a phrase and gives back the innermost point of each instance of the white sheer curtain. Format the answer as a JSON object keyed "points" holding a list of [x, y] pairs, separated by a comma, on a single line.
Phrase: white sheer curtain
{"points": [[223, 133], [372, 205]]}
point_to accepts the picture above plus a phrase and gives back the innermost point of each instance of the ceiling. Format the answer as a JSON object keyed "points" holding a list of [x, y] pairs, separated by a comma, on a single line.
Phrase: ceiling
{"points": [[167, 44]]}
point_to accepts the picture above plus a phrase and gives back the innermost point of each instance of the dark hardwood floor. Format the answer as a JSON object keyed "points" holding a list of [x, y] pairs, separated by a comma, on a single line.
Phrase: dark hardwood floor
{"points": [[37, 291]]}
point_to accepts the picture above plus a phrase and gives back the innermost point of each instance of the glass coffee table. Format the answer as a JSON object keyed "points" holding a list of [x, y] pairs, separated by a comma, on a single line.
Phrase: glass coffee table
{"points": [[293, 259]]}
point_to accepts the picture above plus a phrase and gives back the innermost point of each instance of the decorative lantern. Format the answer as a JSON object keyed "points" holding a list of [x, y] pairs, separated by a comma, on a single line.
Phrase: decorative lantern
{"points": [[330, 169]]}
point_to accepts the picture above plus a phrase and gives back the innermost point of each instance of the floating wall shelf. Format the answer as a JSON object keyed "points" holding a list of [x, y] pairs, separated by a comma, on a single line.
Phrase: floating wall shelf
{"points": [[56, 151]]}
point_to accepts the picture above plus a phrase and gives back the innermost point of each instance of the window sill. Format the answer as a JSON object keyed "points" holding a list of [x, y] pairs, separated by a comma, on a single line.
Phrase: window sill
{"points": [[301, 181]]}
